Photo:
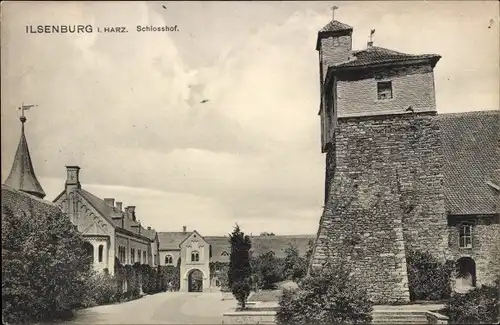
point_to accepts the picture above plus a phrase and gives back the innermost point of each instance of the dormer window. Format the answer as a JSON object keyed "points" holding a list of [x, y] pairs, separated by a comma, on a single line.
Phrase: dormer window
{"points": [[224, 253], [384, 90], [465, 236]]}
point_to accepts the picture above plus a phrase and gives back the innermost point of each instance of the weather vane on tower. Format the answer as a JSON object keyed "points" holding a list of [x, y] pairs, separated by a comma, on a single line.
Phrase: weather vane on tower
{"points": [[333, 11], [24, 108]]}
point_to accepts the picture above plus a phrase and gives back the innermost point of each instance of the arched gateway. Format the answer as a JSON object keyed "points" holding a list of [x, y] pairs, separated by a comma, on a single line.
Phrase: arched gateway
{"points": [[195, 281], [466, 272]]}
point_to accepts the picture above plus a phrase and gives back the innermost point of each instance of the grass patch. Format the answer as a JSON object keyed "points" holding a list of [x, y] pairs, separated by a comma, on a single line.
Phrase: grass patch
{"points": [[266, 295]]}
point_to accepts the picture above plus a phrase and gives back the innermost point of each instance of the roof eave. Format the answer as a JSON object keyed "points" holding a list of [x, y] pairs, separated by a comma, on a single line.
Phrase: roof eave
{"points": [[333, 69]]}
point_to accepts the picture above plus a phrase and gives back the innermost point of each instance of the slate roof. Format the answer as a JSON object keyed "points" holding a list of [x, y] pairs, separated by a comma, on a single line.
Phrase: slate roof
{"points": [[172, 240], [379, 55], [108, 212], [22, 175], [334, 26], [495, 177], [471, 152]]}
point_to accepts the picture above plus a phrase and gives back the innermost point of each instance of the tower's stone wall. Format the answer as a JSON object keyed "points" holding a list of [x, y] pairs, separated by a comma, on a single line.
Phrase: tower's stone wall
{"points": [[384, 197]]}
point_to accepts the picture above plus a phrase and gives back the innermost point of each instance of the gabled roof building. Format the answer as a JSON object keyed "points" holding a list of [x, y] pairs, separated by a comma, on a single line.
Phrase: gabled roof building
{"points": [[114, 231]]}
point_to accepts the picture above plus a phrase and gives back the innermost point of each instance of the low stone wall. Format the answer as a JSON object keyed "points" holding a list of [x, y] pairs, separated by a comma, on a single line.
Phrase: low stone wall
{"points": [[435, 318], [249, 317], [257, 312]]}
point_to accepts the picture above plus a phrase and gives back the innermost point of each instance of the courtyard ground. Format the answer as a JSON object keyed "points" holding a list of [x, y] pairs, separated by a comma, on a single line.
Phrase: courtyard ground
{"points": [[161, 308]]}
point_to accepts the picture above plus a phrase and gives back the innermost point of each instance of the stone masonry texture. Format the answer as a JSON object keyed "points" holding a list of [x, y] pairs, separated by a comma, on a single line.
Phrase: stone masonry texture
{"points": [[485, 250], [412, 85], [384, 196]]}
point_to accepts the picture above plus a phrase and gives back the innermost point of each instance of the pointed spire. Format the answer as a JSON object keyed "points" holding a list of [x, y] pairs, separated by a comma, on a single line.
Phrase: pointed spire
{"points": [[22, 175]]}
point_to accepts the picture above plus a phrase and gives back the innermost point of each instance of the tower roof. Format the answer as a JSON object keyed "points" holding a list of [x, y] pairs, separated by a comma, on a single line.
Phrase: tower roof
{"points": [[332, 27], [377, 55], [335, 26], [22, 175]]}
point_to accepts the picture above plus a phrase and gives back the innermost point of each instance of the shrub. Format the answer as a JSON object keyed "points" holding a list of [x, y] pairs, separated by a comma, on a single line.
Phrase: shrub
{"points": [[478, 306], [100, 289], [44, 265], [428, 279], [267, 270], [328, 296]]}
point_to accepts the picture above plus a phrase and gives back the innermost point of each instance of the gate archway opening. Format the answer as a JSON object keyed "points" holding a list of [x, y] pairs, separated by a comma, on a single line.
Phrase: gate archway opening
{"points": [[466, 272], [195, 281]]}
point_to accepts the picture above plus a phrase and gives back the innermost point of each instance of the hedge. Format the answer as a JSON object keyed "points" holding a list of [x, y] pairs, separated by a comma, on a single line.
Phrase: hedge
{"points": [[44, 264]]}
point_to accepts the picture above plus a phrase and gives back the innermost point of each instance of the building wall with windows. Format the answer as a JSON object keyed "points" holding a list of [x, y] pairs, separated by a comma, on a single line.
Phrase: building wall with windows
{"points": [[478, 238], [386, 90], [170, 257], [132, 250]]}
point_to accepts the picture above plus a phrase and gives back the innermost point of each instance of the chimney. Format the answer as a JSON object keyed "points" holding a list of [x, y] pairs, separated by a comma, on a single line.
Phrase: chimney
{"points": [[109, 202], [72, 178], [130, 211], [184, 228], [119, 206]]}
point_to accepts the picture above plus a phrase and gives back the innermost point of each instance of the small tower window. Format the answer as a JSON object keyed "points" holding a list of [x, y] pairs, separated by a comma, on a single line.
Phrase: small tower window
{"points": [[168, 259], [384, 90], [465, 236], [195, 256], [224, 253]]}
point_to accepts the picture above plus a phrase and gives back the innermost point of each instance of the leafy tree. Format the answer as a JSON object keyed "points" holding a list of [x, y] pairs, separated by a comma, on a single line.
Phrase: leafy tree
{"points": [[265, 233], [310, 248], [44, 263], [256, 272], [270, 269], [295, 266], [239, 273], [328, 296]]}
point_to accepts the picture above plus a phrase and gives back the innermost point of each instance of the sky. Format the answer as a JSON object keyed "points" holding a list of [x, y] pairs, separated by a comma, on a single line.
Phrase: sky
{"points": [[127, 107]]}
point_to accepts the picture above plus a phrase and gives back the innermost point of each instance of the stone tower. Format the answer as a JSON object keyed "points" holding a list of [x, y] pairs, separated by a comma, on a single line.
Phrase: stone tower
{"points": [[22, 175], [383, 177]]}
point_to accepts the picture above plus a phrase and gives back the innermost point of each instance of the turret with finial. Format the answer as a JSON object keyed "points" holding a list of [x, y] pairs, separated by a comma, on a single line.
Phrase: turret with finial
{"points": [[22, 174]]}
